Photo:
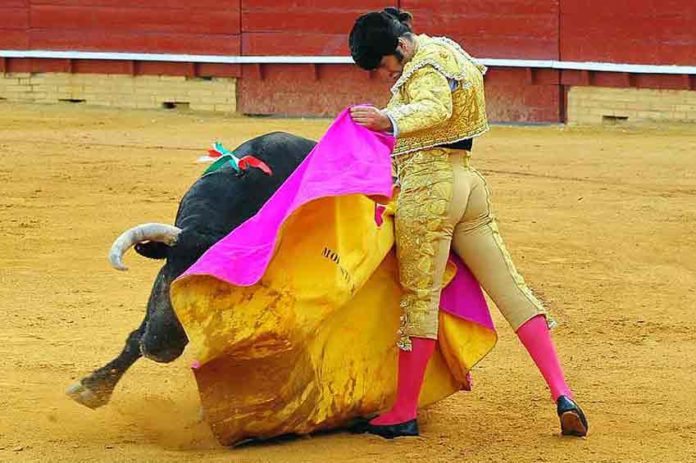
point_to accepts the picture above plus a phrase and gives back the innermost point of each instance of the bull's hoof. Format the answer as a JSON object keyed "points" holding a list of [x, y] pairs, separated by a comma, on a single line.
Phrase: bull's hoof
{"points": [[85, 396]]}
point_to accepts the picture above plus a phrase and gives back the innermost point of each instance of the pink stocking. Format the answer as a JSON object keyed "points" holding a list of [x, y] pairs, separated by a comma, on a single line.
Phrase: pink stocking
{"points": [[412, 366], [536, 337]]}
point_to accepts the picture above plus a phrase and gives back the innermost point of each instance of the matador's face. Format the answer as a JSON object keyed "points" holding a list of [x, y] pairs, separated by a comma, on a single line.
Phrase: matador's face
{"points": [[393, 65]]}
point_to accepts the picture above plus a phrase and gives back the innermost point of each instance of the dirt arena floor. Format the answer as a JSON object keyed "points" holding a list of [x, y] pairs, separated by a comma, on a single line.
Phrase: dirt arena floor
{"points": [[602, 222]]}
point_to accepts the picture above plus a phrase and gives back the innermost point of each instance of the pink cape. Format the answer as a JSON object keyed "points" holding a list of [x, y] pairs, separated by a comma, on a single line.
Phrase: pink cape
{"points": [[349, 159]]}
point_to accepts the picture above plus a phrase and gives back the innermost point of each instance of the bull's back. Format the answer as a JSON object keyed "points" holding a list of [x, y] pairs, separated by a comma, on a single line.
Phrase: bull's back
{"points": [[220, 201]]}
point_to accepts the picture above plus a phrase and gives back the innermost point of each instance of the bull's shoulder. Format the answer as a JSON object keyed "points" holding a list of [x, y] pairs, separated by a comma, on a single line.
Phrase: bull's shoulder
{"points": [[282, 137], [226, 196], [277, 144]]}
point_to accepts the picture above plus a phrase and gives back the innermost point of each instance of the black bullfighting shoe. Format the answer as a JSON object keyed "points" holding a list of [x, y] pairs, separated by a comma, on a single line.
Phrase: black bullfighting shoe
{"points": [[573, 421], [390, 431]]}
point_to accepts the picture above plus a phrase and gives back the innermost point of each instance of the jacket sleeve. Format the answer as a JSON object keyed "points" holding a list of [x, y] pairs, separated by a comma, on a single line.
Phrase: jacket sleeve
{"points": [[429, 104]]}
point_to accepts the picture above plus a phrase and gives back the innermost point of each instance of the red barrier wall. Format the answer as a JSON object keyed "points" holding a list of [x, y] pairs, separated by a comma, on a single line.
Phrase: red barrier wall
{"points": [[14, 24], [299, 90], [165, 26], [623, 31], [629, 31], [300, 27], [492, 28]]}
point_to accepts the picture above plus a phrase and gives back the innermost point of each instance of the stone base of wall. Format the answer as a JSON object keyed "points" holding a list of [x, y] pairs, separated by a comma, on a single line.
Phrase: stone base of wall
{"points": [[122, 91], [592, 105]]}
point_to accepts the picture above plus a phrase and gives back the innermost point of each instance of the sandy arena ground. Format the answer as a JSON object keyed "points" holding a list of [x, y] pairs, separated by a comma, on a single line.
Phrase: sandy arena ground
{"points": [[601, 221]]}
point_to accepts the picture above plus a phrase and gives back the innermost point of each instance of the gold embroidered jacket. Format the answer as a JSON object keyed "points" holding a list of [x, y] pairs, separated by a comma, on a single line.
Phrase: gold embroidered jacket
{"points": [[428, 111]]}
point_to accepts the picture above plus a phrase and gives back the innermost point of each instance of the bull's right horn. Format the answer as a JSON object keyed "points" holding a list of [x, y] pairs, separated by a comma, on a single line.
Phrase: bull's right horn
{"points": [[159, 232]]}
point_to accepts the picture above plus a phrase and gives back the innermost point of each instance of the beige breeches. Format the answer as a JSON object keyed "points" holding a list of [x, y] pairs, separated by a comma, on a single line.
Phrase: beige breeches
{"points": [[444, 204]]}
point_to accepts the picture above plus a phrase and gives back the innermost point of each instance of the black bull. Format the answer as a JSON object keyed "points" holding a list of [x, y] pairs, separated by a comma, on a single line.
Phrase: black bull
{"points": [[215, 204]]}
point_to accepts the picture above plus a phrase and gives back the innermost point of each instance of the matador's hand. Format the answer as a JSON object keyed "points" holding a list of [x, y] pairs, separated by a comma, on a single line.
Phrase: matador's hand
{"points": [[371, 118]]}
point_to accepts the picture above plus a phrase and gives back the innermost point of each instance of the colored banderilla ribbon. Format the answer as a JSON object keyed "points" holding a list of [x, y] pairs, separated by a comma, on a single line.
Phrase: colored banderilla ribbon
{"points": [[228, 157]]}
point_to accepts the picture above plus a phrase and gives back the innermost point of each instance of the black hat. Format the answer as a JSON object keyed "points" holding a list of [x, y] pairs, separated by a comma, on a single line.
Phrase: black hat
{"points": [[376, 35]]}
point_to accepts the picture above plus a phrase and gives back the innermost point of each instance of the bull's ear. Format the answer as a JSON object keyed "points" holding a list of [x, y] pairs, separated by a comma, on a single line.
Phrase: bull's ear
{"points": [[152, 250]]}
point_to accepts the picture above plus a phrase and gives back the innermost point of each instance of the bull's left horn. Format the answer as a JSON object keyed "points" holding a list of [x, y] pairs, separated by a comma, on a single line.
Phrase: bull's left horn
{"points": [[159, 232]]}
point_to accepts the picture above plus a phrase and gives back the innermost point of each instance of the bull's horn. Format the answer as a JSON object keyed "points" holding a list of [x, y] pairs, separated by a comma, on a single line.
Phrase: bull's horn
{"points": [[159, 232]]}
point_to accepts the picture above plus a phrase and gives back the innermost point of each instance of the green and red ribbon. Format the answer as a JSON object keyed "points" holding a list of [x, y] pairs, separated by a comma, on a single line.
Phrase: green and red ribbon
{"points": [[227, 157]]}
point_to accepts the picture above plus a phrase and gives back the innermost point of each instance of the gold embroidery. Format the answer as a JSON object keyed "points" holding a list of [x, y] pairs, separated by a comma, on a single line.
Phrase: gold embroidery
{"points": [[437, 60], [459, 75], [431, 103], [456, 46], [421, 223]]}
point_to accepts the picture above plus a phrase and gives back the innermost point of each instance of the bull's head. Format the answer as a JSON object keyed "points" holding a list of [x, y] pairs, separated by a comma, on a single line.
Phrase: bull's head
{"points": [[151, 240], [164, 338]]}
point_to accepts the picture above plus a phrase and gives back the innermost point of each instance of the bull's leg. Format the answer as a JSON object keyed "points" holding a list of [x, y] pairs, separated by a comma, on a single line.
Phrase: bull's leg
{"points": [[163, 339], [95, 390]]}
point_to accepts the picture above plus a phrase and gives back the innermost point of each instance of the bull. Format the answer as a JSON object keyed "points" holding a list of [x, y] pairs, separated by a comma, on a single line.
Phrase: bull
{"points": [[215, 205]]}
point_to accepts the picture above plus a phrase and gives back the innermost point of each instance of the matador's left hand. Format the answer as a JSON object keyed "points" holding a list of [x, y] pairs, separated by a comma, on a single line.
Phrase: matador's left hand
{"points": [[371, 118]]}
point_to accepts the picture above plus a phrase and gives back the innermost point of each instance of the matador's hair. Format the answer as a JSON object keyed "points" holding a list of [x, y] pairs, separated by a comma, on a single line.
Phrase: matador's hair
{"points": [[377, 34]]}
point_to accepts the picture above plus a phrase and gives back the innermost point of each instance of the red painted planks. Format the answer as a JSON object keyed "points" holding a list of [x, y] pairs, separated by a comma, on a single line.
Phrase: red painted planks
{"points": [[161, 4], [300, 27], [294, 44], [511, 97], [219, 70], [325, 5], [483, 7], [14, 18], [182, 21], [301, 21], [153, 68], [84, 66], [50, 65], [490, 28], [134, 42], [19, 65], [294, 90], [127, 67], [15, 3], [13, 39], [545, 76], [635, 31], [640, 31]]}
